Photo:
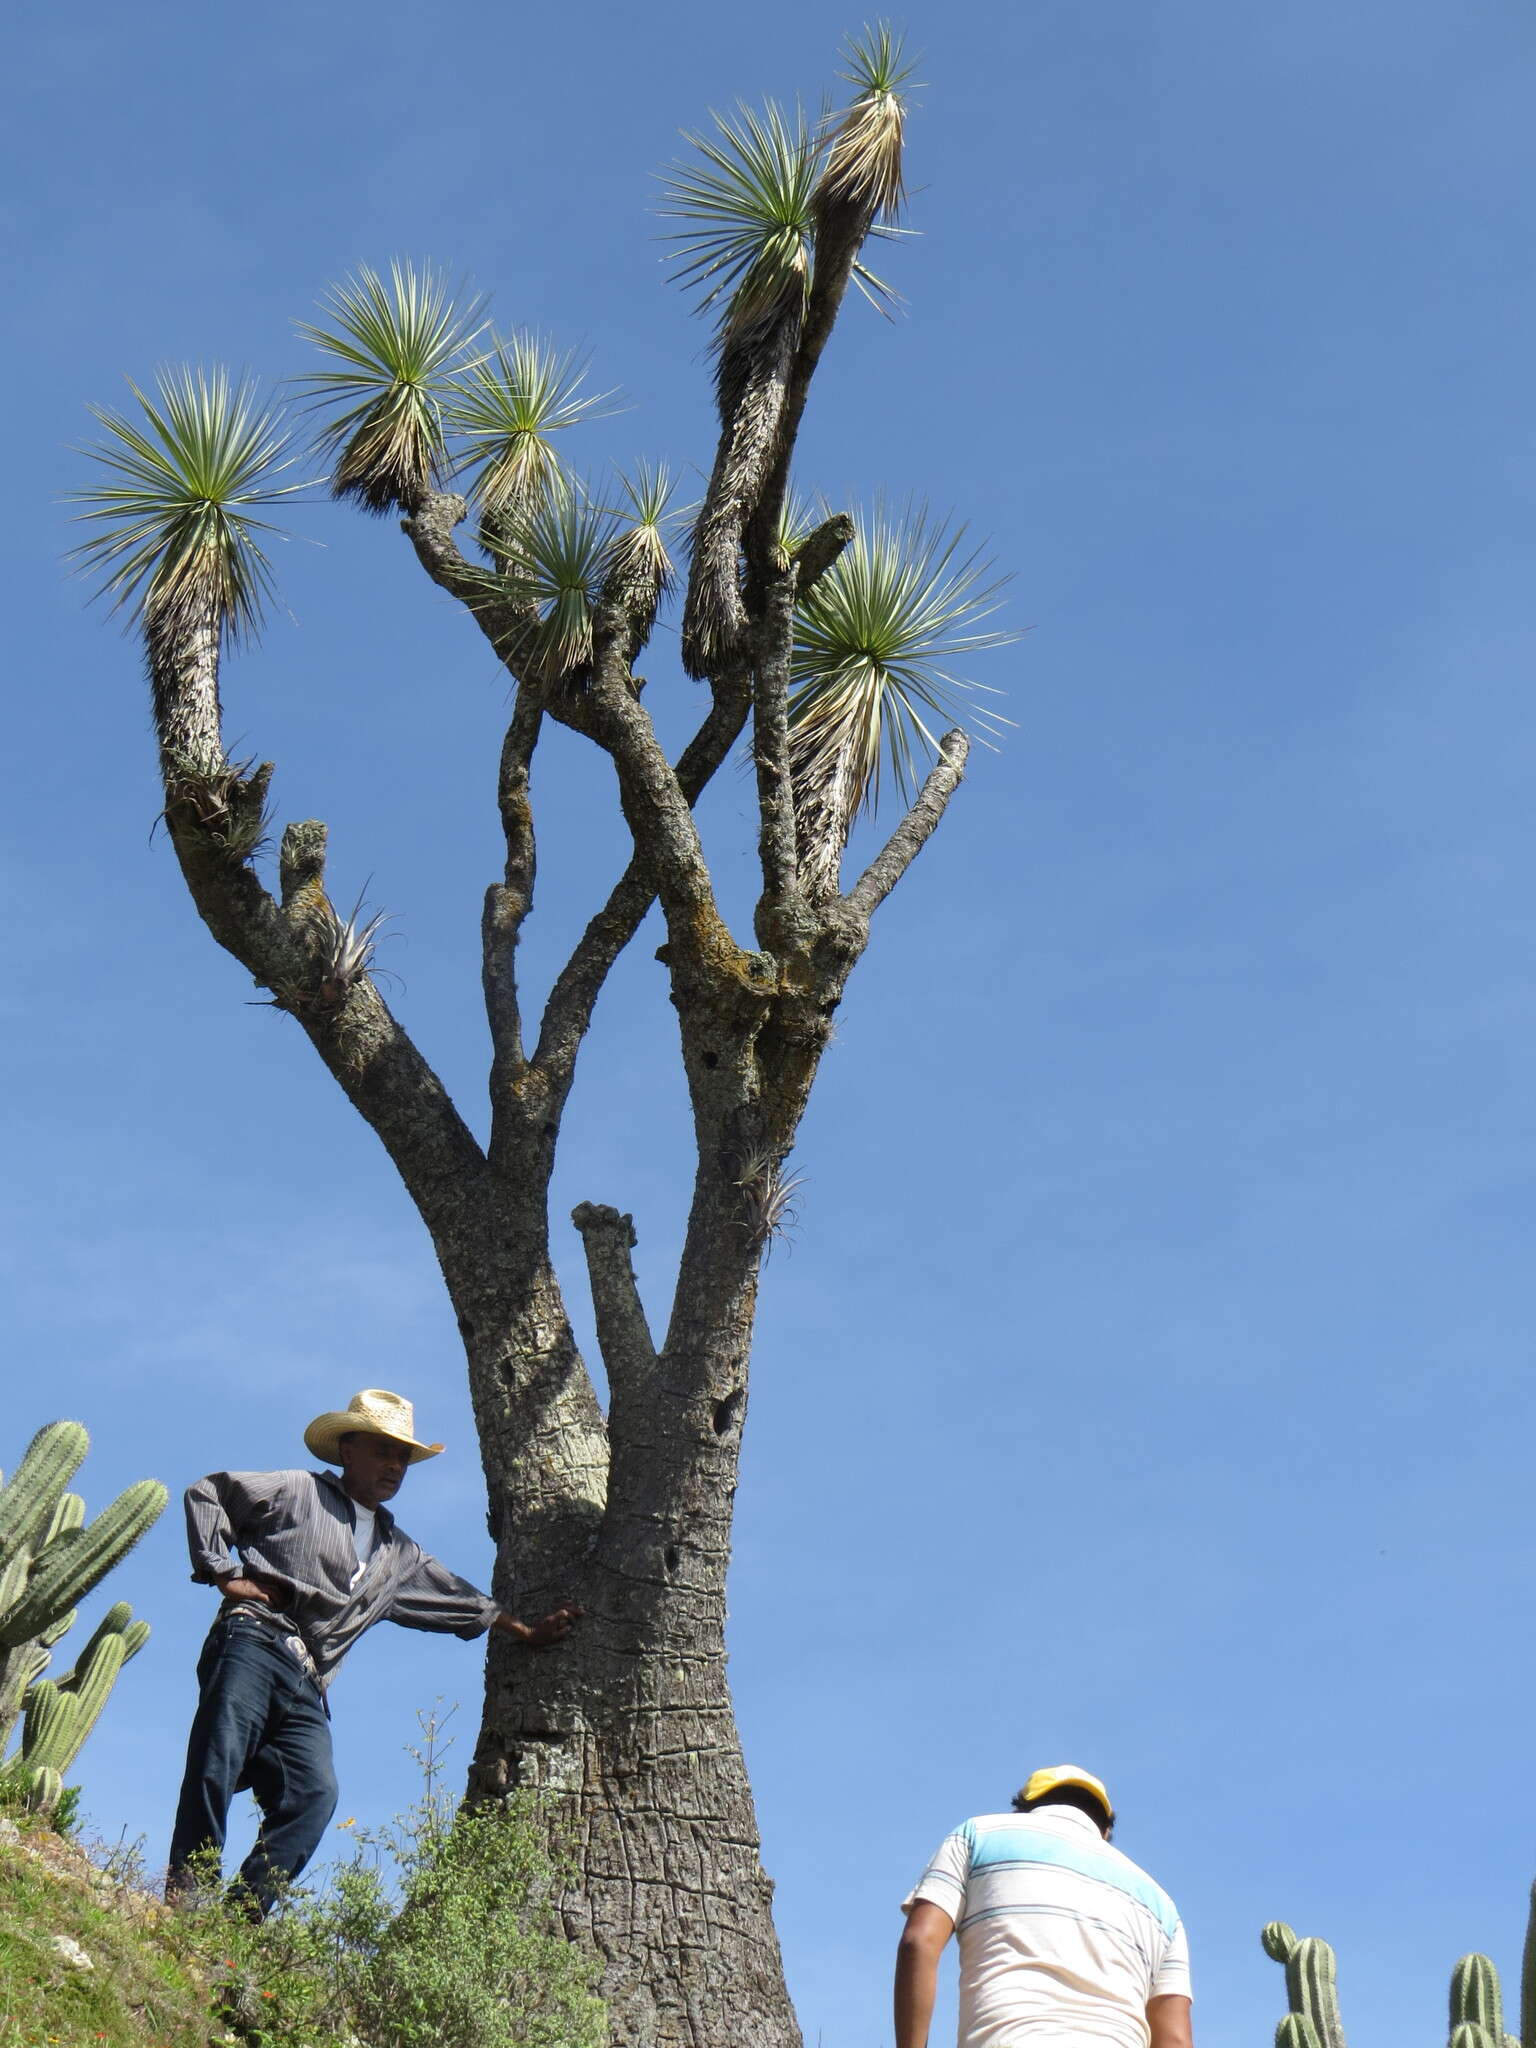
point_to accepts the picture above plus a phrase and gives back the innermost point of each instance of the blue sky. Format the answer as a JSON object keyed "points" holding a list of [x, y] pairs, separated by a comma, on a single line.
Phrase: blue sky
{"points": [[1150, 1382]]}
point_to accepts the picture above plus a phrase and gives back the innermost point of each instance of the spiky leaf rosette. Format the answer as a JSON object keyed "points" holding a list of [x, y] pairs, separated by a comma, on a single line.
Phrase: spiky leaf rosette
{"points": [[174, 532], [558, 553], [746, 245], [640, 567], [863, 166], [396, 342], [175, 539], [509, 407], [876, 644]]}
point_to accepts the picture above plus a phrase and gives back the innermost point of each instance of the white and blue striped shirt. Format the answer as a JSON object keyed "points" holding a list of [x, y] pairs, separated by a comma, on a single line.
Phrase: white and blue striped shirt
{"points": [[1061, 1936]]}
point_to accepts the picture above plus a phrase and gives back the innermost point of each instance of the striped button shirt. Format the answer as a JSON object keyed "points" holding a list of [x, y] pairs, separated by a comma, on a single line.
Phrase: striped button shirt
{"points": [[297, 1528], [1061, 1937]]}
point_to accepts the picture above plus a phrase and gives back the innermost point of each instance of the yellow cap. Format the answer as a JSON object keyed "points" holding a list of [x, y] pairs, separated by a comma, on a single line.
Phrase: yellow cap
{"points": [[1047, 1780]]}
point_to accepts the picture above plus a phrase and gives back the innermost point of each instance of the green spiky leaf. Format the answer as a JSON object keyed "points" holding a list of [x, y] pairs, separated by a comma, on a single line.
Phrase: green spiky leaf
{"points": [[557, 554], [864, 154], [396, 343], [879, 644], [878, 639], [509, 407], [746, 243], [174, 534], [644, 519]]}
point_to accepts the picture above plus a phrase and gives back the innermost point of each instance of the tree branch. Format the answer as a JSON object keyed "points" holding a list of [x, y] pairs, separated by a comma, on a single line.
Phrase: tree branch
{"points": [[753, 380], [568, 1012], [841, 229], [819, 550], [502, 617], [292, 950], [915, 829], [623, 1334], [508, 902], [770, 753]]}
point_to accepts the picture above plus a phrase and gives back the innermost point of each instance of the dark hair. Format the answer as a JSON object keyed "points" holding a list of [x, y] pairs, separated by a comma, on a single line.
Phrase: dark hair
{"points": [[1069, 1795]]}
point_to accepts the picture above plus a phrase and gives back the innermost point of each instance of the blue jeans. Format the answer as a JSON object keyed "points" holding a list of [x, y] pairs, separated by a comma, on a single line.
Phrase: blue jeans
{"points": [[261, 1723]]}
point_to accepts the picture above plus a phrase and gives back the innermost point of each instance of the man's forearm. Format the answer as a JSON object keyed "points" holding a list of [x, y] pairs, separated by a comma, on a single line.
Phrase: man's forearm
{"points": [[917, 1983]]}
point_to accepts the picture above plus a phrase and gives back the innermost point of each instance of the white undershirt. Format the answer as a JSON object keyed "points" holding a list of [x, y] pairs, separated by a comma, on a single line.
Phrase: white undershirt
{"points": [[365, 1534]]}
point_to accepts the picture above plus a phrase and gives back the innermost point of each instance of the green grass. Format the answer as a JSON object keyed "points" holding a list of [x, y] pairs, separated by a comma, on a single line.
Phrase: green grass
{"points": [[145, 1991]]}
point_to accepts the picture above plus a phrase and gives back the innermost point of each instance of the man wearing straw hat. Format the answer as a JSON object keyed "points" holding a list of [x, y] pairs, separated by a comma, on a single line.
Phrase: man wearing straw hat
{"points": [[1062, 1938], [320, 1560]]}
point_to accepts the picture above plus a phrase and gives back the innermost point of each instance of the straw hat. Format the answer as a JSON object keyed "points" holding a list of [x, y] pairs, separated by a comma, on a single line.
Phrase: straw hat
{"points": [[374, 1411]]}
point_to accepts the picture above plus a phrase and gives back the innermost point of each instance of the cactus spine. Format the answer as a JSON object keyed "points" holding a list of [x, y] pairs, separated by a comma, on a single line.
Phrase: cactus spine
{"points": [[50, 1558]]}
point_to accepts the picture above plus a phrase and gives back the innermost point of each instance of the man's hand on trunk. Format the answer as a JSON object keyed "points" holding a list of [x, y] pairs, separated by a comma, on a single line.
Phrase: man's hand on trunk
{"points": [[539, 1635]]}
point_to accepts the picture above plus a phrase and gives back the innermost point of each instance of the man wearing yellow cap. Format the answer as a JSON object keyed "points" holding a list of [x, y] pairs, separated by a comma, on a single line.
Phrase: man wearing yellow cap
{"points": [[1062, 1938], [306, 1562]]}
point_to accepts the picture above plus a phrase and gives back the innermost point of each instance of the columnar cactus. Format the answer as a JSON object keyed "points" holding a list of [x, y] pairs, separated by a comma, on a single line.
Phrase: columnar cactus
{"points": [[1476, 2002], [1477, 2006], [1311, 1980], [50, 1558]]}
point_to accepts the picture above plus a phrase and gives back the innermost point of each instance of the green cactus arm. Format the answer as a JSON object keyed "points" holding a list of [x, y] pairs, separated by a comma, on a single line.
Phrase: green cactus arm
{"points": [[1467, 2034], [1296, 2031], [1476, 1999], [69, 1514], [44, 1788], [1279, 1941], [117, 1619], [1311, 1979], [48, 1719], [60, 1628], [77, 1561], [97, 1676], [50, 1461], [1528, 1978], [18, 1669], [13, 1578]]}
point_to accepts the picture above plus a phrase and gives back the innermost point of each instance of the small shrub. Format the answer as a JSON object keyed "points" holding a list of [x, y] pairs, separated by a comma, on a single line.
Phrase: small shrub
{"points": [[474, 1956], [439, 1928]]}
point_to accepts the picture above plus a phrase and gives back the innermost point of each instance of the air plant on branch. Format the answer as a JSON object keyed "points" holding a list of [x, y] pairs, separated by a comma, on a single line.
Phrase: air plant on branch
{"points": [[508, 407], [346, 948], [175, 540], [876, 642], [398, 343], [769, 1197]]}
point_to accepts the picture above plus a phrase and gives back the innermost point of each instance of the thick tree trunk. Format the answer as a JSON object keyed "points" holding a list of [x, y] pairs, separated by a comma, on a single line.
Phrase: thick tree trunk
{"points": [[637, 1742], [628, 1725]]}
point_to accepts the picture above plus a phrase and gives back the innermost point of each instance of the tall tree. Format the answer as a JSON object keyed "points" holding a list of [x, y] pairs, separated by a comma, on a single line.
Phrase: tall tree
{"points": [[827, 641]]}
